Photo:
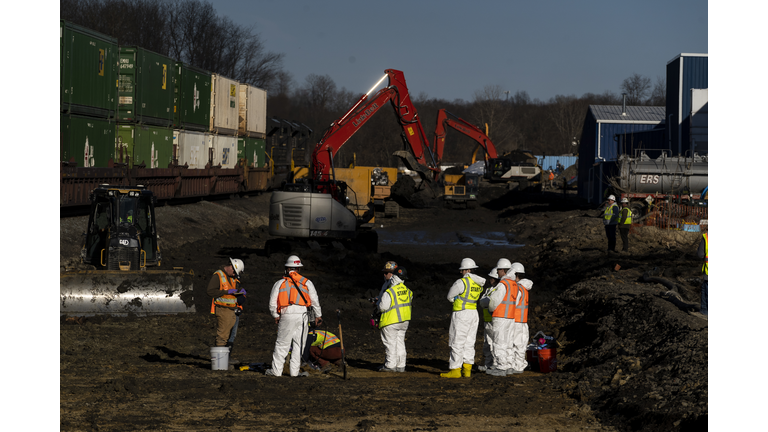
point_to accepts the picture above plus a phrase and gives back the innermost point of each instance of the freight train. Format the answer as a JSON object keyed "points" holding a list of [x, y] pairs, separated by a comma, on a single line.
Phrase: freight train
{"points": [[131, 117]]}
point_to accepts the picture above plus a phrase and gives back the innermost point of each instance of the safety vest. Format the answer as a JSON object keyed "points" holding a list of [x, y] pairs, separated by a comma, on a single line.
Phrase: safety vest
{"points": [[608, 215], [628, 221], [469, 297], [705, 267], [401, 306], [506, 309], [551, 176], [487, 317], [324, 339], [227, 300], [289, 292], [521, 308]]}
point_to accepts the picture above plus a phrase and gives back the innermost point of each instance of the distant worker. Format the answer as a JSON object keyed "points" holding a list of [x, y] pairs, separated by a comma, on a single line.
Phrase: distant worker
{"points": [[703, 252], [488, 322], [502, 307], [289, 302], [394, 303], [625, 222], [227, 299], [464, 294], [610, 220], [324, 348], [551, 179]]}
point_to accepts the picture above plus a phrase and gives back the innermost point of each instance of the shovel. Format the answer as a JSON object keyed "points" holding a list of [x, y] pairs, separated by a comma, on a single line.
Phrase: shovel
{"points": [[343, 360]]}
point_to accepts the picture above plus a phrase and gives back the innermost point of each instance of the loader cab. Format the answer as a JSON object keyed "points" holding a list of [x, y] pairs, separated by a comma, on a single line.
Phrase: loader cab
{"points": [[121, 233]]}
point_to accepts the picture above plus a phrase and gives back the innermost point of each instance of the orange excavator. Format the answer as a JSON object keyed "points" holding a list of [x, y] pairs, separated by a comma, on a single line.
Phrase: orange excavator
{"points": [[316, 208]]}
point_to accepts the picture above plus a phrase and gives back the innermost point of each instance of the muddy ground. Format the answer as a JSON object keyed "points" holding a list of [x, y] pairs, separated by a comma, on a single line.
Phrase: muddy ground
{"points": [[631, 355]]}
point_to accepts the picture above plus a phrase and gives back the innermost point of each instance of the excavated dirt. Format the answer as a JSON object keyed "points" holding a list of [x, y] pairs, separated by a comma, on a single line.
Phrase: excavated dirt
{"points": [[631, 355]]}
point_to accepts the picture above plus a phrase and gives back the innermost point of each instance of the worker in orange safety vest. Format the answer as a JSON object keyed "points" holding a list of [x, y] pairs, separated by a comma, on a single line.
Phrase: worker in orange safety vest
{"points": [[227, 299]]}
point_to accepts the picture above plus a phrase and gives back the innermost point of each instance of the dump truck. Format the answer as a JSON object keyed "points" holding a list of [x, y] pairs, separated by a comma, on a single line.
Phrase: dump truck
{"points": [[120, 257]]}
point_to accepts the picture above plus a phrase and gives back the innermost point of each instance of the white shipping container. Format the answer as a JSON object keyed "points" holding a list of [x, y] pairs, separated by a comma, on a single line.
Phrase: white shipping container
{"points": [[191, 148], [252, 111], [224, 105], [224, 150]]}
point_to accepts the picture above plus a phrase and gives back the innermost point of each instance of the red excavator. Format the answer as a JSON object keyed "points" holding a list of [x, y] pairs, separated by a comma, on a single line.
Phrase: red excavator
{"points": [[316, 208]]}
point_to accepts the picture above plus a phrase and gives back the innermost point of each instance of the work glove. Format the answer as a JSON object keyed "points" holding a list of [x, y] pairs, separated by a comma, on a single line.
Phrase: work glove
{"points": [[240, 291]]}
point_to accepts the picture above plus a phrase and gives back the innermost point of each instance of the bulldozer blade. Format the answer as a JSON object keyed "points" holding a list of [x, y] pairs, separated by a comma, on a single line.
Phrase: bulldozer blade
{"points": [[118, 293]]}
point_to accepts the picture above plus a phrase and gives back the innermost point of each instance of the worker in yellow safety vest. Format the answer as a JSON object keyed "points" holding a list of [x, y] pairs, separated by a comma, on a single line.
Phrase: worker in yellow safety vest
{"points": [[324, 348], [463, 294], [394, 303], [703, 252], [610, 220], [289, 303], [625, 222]]}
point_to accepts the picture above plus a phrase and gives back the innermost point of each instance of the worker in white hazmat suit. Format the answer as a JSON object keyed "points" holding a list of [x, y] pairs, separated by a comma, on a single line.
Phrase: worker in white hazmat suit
{"points": [[394, 303], [488, 322], [289, 301], [501, 305], [520, 333], [463, 294]]}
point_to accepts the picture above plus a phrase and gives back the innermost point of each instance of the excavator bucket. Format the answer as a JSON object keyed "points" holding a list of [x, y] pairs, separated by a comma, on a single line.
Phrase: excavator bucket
{"points": [[118, 293]]}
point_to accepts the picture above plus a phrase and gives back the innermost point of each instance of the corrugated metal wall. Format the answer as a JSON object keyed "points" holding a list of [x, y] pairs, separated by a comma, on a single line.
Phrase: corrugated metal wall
{"points": [[652, 142], [684, 73], [547, 162]]}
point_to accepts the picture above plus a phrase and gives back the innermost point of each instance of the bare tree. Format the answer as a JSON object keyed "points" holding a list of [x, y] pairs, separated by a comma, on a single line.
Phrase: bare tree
{"points": [[659, 93], [489, 107], [567, 114], [636, 87]]}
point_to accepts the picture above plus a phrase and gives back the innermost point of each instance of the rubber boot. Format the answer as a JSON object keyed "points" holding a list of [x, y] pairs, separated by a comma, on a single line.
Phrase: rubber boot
{"points": [[453, 373], [466, 370]]}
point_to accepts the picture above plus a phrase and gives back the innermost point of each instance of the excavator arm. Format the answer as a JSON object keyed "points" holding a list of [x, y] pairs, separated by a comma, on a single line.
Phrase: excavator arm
{"points": [[340, 131], [468, 129]]}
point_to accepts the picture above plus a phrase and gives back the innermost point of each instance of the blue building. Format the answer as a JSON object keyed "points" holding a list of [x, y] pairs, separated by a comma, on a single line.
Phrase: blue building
{"points": [[686, 74], [608, 132]]}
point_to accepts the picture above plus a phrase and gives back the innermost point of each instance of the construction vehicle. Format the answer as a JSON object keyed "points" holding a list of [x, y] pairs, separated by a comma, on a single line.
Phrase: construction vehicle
{"points": [[671, 181], [461, 189], [518, 166], [316, 208], [120, 244]]}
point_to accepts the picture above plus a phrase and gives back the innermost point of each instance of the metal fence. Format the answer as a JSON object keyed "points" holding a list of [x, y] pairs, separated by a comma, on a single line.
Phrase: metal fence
{"points": [[675, 216]]}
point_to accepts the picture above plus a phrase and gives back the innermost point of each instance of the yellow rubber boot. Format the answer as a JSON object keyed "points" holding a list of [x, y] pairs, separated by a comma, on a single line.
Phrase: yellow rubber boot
{"points": [[466, 370], [453, 373]]}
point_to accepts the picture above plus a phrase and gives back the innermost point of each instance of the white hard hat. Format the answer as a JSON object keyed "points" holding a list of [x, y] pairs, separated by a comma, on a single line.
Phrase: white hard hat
{"points": [[624, 200], [494, 274], [293, 261], [611, 198], [527, 283], [237, 266], [517, 268], [467, 264], [503, 264]]}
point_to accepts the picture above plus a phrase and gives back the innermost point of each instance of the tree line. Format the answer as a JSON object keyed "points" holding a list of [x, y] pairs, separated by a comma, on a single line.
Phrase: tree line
{"points": [[191, 31]]}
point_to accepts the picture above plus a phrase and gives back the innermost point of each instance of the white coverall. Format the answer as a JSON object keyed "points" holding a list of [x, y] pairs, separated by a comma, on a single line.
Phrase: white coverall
{"points": [[393, 335], [502, 328], [463, 330], [487, 329], [520, 333], [292, 329]]}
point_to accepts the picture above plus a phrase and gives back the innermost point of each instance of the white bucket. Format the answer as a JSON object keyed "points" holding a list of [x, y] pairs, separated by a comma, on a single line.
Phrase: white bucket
{"points": [[219, 358]]}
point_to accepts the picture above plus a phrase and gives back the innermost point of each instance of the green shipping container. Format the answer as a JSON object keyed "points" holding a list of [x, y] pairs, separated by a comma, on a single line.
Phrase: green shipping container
{"points": [[252, 149], [88, 71], [139, 144], [145, 90], [87, 141], [192, 98]]}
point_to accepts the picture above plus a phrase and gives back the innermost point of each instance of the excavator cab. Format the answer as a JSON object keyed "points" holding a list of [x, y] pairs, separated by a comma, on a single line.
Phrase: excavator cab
{"points": [[121, 232]]}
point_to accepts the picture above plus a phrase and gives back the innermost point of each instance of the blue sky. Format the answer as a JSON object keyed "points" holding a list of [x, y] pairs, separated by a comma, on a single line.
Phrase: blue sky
{"points": [[450, 49]]}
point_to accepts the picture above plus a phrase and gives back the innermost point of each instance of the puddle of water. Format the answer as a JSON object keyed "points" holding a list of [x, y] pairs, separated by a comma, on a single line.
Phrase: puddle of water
{"points": [[450, 238]]}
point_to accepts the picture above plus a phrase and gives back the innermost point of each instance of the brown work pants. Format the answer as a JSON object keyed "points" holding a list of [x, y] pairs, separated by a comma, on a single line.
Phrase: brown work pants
{"points": [[324, 356], [225, 318]]}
